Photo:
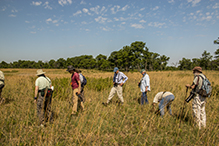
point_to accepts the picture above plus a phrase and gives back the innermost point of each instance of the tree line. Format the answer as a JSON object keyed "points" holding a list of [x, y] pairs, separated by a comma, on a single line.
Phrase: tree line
{"points": [[133, 57]]}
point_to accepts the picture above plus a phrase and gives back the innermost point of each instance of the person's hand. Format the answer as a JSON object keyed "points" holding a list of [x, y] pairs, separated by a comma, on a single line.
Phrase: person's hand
{"points": [[78, 93], [35, 101], [121, 84], [188, 86]]}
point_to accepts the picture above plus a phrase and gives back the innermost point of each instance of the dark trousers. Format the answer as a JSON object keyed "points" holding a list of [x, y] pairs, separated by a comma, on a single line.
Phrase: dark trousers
{"points": [[44, 112], [144, 98]]}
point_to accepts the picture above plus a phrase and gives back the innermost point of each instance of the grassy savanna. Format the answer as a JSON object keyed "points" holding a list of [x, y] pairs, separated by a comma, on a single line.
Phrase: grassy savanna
{"points": [[130, 124]]}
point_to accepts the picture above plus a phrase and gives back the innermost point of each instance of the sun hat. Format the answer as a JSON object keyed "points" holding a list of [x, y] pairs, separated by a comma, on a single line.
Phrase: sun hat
{"points": [[70, 67], [115, 69], [143, 70], [40, 72], [197, 68]]}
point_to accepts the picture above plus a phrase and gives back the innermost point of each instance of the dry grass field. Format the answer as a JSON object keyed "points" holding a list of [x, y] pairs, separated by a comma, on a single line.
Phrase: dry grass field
{"points": [[130, 124]]}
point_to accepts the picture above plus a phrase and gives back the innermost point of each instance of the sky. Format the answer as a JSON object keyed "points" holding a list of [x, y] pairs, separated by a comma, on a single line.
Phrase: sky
{"points": [[53, 29]]}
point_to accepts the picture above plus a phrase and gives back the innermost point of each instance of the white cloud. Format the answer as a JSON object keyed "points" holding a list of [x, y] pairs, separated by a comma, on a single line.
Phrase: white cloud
{"points": [[123, 23], [142, 9], [194, 2], [155, 8], [83, 22], [102, 10], [95, 9], [87, 29], [4, 8], [83, 2], [216, 6], [208, 13], [77, 13], [115, 9], [142, 21], [12, 15], [137, 26], [105, 28], [85, 10], [54, 21], [46, 4], [100, 19], [156, 24], [49, 19], [65, 2], [198, 11], [217, 17], [36, 3], [116, 19], [27, 22], [57, 24], [125, 8], [171, 1], [33, 32], [14, 11]]}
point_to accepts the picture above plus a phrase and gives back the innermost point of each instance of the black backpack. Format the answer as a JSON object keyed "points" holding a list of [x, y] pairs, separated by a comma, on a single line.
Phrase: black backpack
{"points": [[84, 81]]}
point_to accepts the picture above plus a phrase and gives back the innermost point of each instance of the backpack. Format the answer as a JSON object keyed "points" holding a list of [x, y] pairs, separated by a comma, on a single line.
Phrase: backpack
{"points": [[206, 88], [84, 81]]}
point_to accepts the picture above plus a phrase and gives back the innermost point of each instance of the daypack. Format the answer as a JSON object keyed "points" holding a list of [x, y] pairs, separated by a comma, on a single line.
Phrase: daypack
{"points": [[84, 81], [206, 88]]}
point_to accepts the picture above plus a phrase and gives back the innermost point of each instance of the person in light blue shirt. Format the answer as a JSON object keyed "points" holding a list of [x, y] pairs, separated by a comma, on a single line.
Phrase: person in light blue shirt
{"points": [[144, 85], [118, 80]]}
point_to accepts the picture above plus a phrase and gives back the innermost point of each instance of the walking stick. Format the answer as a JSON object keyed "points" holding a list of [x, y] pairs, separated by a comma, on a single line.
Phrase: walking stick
{"points": [[183, 106], [44, 103]]}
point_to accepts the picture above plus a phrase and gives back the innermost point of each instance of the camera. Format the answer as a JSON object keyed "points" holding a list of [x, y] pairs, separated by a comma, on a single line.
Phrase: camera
{"points": [[191, 96]]}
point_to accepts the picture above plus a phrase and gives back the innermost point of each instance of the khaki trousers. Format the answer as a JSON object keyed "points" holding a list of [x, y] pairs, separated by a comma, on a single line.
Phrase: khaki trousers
{"points": [[117, 89], [75, 101], [198, 107]]}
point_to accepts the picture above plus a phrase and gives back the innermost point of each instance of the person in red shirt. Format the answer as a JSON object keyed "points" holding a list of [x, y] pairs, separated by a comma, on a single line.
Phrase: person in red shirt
{"points": [[76, 88]]}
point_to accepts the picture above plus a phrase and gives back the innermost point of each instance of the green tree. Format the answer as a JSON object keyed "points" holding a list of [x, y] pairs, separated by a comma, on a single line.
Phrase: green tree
{"points": [[205, 62], [185, 64]]}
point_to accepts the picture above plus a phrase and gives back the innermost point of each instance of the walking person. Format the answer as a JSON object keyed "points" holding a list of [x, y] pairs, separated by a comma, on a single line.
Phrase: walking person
{"points": [[43, 88], [198, 104], [144, 85], [2, 84], [76, 89], [118, 81], [165, 99], [83, 83]]}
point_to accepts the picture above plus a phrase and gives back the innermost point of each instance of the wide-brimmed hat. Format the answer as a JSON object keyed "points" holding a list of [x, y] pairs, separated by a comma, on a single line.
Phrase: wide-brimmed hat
{"points": [[70, 67], [115, 69], [143, 70], [40, 72], [197, 68]]}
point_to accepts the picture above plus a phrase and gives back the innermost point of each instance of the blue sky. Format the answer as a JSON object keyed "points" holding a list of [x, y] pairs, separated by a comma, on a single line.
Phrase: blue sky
{"points": [[53, 29]]}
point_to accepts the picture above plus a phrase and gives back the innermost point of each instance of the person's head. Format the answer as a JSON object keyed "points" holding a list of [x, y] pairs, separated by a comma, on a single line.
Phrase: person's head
{"points": [[197, 70], [77, 70], [40, 72], [116, 70], [71, 69], [143, 71]]}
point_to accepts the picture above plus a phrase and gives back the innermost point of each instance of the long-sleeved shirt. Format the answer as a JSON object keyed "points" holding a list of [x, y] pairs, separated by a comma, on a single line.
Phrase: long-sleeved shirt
{"points": [[120, 78], [145, 82]]}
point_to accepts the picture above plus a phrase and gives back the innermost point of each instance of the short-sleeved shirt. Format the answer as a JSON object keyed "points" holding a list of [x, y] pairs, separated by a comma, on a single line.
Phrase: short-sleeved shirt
{"points": [[74, 80], [161, 95], [198, 82], [81, 77], [2, 78], [43, 82]]}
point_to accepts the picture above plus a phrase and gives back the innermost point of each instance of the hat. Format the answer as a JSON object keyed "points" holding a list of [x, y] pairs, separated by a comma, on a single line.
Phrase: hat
{"points": [[143, 70], [40, 72], [197, 68], [70, 67], [115, 69]]}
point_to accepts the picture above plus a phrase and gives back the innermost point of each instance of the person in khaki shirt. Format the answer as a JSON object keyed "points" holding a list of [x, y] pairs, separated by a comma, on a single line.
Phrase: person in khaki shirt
{"points": [[165, 99], [198, 104], [2, 84], [44, 112]]}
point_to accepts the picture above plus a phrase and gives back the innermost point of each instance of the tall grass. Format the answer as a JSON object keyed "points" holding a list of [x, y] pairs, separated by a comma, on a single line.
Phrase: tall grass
{"points": [[130, 124]]}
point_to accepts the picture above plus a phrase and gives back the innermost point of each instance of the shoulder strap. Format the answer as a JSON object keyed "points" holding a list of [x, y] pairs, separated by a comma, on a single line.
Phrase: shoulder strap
{"points": [[47, 79], [163, 94]]}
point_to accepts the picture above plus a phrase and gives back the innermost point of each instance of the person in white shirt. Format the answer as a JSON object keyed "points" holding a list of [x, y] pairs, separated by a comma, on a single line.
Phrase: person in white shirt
{"points": [[165, 99], [118, 80], [2, 84], [144, 85]]}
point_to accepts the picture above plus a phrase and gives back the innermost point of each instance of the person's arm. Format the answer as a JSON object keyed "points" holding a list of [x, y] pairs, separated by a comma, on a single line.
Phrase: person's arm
{"points": [[147, 83], [79, 87], [125, 79], [36, 92], [194, 84], [190, 86]]}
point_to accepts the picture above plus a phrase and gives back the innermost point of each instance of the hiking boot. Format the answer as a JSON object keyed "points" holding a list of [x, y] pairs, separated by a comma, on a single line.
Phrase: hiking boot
{"points": [[104, 103]]}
